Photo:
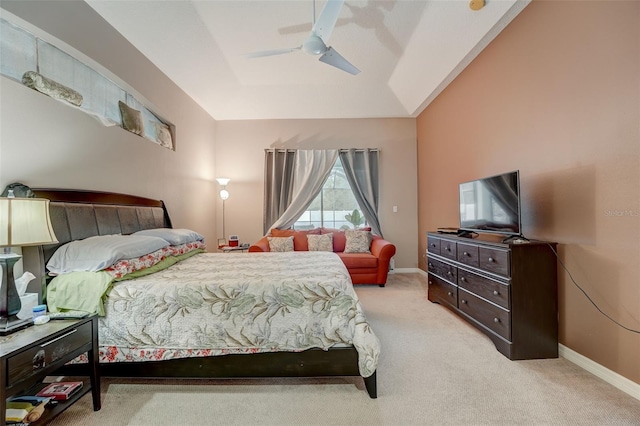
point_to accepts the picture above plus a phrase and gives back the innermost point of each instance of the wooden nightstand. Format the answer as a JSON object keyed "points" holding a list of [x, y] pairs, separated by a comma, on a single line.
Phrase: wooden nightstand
{"points": [[38, 351]]}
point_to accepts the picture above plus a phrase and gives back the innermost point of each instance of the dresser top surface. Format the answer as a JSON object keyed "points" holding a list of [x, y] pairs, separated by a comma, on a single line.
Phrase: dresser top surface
{"points": [[486, 239]]}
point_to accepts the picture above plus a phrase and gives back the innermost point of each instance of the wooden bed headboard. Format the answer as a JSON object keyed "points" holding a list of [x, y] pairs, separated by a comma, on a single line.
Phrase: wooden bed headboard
{"points": [[79, 214]]}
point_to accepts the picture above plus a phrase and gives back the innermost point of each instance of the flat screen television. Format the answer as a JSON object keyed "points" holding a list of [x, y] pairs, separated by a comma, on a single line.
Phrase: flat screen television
{"points": [[491, 204]]}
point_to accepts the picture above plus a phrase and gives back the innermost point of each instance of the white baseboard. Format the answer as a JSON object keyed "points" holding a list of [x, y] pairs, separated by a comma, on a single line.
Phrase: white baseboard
{"points": [[611, 377]]}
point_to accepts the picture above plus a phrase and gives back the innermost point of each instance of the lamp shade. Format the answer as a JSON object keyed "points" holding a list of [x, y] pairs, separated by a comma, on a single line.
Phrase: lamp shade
{"points": [[25, 222], [223, 181]]}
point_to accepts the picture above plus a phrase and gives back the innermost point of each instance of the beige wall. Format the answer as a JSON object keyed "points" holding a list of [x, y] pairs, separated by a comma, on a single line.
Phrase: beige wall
{"points": [[45, 143], [557, 96], [240, 156]]}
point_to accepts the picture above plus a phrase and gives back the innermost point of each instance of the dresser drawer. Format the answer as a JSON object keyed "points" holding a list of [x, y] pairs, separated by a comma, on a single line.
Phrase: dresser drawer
{"points": [[433, 245], [443, 270], [29, 362], [468, 254], [495, 291], [448, 249], [442, 291], [489, 315], [494, 260]]}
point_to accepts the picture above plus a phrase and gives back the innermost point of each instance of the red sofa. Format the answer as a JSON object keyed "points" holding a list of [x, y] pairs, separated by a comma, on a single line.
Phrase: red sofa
{"points": [[364, 268]]}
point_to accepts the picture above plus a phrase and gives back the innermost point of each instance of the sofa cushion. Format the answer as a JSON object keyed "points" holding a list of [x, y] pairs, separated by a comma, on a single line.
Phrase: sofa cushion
{"points": [[280, 243], [339, 237], [357, 241], [320, 242], [299, 237], [358, 260]]}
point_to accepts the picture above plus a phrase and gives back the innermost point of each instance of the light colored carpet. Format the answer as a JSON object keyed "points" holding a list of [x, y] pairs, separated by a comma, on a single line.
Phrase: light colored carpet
{"points": [[435, 369]]}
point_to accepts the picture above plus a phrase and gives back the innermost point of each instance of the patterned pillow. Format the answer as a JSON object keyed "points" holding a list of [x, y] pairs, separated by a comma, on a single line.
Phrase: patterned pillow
{"points": [[357, 241], [131, 119], [320, 242], [280, 243]]}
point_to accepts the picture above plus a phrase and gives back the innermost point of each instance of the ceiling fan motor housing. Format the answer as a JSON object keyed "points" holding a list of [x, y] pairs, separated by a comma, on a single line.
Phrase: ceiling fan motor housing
{"points": [[314, 45]]}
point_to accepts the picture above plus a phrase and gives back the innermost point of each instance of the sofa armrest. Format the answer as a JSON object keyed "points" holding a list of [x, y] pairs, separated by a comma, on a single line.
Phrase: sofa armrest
{"points": [[384, 251], [260, 246]]}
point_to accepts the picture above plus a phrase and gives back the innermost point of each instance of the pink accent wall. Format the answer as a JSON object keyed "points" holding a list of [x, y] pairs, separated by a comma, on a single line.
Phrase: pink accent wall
{"points": [[557, 96]]}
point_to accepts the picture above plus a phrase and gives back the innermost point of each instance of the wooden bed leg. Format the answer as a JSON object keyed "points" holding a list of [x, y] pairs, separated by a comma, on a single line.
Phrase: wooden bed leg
{"points": [[371, 385]]}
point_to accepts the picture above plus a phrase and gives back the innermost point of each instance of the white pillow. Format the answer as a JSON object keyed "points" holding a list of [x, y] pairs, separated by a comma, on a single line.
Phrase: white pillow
{"points": [[97, 253], [173, 236]]}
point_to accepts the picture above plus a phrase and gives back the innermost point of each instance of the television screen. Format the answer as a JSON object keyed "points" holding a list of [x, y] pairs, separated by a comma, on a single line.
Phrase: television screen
{"points": [[491, 204]]}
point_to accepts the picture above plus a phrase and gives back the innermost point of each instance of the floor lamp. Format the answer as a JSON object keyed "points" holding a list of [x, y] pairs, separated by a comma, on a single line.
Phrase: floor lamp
{"points": [[224, 194], [23, 222]]}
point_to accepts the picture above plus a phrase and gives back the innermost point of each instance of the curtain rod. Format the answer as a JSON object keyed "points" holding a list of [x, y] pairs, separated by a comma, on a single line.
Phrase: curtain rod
{"points": [[341, 150]]}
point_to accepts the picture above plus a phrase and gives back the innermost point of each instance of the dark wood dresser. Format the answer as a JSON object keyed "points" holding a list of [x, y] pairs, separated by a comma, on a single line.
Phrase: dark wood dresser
{"points": [[508, 291]]}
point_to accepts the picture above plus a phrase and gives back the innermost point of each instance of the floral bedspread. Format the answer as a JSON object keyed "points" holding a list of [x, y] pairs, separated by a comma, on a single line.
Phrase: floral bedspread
{"points": [[216, 304]]}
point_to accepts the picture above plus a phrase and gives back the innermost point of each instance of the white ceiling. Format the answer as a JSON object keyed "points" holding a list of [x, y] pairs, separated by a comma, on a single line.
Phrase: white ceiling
{"points": [[407, 51]]}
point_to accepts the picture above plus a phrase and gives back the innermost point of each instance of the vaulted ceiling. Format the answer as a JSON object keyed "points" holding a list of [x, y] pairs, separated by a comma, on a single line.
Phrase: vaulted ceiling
{"points": [[407, 52]]}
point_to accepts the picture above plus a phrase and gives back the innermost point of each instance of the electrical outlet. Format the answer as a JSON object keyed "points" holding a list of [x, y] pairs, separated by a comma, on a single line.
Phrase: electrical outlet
{"points": [[395, 209]]}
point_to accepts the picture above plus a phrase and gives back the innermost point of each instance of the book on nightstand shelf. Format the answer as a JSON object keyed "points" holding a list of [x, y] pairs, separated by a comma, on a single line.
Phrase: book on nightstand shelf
{"points": [[60, 391], [25, 409]]}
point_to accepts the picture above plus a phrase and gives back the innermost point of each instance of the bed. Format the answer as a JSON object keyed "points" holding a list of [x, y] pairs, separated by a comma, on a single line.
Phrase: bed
{"points": [[232, 313]]}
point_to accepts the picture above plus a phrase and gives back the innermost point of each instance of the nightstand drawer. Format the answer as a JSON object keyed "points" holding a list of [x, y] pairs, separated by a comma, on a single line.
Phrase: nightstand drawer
{"points": [[30, 361]]}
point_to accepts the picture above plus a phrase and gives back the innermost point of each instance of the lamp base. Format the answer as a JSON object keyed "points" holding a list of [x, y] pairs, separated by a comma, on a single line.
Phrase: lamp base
{"points": [[12, 324]]}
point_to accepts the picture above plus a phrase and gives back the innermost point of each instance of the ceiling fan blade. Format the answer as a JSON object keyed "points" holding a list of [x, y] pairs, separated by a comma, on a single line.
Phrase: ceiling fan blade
{"points": [[333, 58], [323, 27], [271, 52]]}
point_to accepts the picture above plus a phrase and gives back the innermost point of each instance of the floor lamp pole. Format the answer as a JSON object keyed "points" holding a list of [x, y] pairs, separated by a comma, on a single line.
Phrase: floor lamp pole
{"points": [[223, 232]]}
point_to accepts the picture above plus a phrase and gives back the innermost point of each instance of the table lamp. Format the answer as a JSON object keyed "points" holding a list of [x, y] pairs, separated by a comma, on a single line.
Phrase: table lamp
{"points": [[23, 222]]}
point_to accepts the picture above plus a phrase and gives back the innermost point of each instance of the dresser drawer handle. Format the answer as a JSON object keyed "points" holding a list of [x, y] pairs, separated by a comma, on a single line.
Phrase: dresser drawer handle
{"points": [[463, 279], [58, 338], [496, 320], [447, 249], [491, 259], [430, 282], [432, 245], [449, 273], [449, 293], [496, 292], [464, 253], [463, 301], [430, 265]]}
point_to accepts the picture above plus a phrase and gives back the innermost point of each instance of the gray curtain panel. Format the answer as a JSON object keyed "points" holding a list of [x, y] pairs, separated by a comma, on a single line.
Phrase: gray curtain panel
{"points": [[279, 166], [361, 169]]}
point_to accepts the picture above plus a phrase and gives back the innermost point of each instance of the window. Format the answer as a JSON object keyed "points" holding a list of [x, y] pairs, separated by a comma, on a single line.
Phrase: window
{"points": [[334, 207]]}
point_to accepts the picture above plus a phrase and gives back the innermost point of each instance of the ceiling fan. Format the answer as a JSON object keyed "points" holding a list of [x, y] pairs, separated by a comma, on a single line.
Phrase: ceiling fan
{"points": [[315, 43]]}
